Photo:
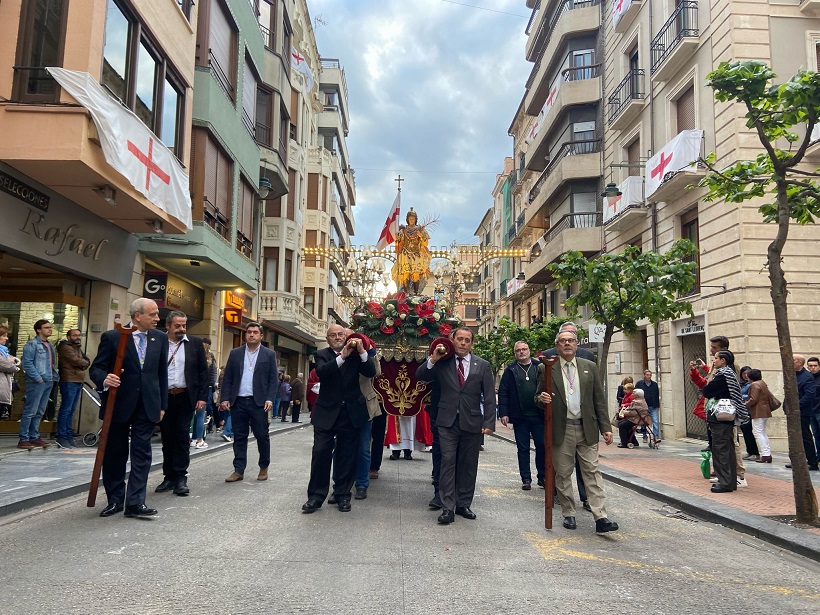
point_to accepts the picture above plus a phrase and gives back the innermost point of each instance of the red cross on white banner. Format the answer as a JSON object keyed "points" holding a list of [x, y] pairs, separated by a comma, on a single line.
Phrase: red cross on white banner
{"points": [[659, 170], [298, 57], [677, 155], [148, 161], [391, 225]]}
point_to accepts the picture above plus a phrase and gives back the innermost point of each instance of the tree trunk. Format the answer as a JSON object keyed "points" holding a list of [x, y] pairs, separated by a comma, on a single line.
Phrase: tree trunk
{"points": [[602, 367], [805, 500]]}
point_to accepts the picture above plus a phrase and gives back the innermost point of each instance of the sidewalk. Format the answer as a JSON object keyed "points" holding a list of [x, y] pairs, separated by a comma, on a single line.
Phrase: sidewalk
{"points": [[672, 474], [33, 478]]}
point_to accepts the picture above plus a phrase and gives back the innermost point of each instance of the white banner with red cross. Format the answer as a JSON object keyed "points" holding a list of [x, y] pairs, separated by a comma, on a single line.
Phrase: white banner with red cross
{"points": [[631, 190], [391, 225], [553, 94], [619, 7], [130, 147], [677, 155]]}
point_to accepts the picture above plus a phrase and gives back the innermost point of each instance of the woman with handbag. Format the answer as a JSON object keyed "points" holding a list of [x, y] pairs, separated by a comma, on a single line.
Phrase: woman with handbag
{"points": [[724, 407], [761, 402], [8, 366]]}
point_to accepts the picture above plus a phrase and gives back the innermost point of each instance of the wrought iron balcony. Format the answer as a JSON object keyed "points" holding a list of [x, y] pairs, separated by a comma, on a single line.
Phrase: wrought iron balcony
{"points": [[629, 89], [582, 220], [682, 24]]}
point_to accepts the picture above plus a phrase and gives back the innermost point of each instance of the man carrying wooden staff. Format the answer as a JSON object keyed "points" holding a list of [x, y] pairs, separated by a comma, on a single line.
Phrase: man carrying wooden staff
{"points": [[578, 417], [141, 400]]}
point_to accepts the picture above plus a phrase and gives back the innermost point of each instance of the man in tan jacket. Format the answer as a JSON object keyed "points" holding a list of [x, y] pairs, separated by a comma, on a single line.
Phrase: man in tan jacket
{"points": [[72, 365]]}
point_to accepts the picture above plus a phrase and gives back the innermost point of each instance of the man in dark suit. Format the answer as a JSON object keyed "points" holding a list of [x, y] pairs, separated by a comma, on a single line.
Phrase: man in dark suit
{"points": [[249, 387], [338, 416], [466, 410], [141, 402], [187, 392], [578, 417]]}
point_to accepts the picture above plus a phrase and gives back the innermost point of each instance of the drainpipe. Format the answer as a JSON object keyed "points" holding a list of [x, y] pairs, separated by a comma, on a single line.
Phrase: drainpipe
{"points": [[654, 205]]}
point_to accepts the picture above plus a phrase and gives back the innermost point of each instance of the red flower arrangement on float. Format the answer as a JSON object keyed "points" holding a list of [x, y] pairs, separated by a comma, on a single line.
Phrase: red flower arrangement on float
{"points": [[418, 320]]}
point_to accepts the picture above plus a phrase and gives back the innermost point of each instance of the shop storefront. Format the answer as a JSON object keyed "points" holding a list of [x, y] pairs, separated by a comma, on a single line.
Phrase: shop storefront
{"points": [[61, 263]]}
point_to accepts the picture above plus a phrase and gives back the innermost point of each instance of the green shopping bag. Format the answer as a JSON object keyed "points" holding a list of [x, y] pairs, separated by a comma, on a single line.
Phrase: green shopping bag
{"points": [[705, 466]]}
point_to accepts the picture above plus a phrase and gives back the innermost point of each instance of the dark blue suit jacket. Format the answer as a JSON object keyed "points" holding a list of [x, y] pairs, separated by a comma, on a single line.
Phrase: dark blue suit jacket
{"points": [[265, 376], [150, 384]]}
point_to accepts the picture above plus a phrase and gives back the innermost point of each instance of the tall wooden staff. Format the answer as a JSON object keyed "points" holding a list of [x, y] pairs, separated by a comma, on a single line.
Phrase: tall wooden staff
{"points": [[109, 412], [549, 471]]}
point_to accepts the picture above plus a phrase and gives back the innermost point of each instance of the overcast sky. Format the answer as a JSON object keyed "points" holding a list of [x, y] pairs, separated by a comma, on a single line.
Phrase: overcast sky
{"points": [[433, 86]]}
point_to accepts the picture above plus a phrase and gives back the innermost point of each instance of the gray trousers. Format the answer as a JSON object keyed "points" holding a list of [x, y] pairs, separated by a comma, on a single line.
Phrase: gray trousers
{"points": [[459, 466], [563, 458]]}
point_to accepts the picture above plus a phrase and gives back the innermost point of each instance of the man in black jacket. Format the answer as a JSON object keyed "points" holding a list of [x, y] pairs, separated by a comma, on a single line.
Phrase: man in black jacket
{"points": [[516, 404], [338, 417], [813, 365], [187, 393]]}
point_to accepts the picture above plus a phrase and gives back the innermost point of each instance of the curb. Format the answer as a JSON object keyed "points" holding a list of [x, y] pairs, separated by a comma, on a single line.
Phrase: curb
{"points": [[71, 490], [779, 534]]}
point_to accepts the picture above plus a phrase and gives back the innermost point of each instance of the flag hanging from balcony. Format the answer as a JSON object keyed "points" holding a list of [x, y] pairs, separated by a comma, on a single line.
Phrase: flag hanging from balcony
{"points": [[548, 103], [619, 7], [391, 225], [130, 147], [677, 155], [299, 64]]}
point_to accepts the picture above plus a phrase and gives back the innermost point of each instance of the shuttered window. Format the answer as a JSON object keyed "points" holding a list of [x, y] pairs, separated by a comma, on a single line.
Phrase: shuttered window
{"points": [[249, 98], [217, 187], [633, 156], [294, 119], [685, 107], [222, 42], [292, 195], [244, 218], [270, 273], [288, 273]]}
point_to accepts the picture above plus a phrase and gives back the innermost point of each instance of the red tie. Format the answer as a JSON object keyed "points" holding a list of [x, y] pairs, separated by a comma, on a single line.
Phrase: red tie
{"points": [[461, 376]]}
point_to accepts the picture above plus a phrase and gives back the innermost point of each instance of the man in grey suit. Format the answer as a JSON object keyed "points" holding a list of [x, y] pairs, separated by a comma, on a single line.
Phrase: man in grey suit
{"points": [[466, 410], [578, 417]]}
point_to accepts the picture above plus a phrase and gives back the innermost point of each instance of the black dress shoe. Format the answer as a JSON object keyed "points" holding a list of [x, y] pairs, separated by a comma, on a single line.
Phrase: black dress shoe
{"points": [[718, 488], [395, 455], [814, 468], [181, 488], [435, 503], [112, 509], [140, 510], [586, 506], [464, 511], [344, 505], [788, 466], [166, 485], [526, 484], [331, 499], [541, 483], [605, 525], [569, 523], [361, 494], [311, 506], [408, 455], [446, 517]]}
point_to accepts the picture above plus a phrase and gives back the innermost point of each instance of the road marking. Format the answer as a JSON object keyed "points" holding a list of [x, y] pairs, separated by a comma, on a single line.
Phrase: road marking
{"points": [[559, 549]]}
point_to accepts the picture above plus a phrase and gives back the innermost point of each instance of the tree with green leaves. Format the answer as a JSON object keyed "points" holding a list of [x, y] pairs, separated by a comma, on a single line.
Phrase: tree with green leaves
{"points": [[787, 191], [623, 288], [497, 347]]}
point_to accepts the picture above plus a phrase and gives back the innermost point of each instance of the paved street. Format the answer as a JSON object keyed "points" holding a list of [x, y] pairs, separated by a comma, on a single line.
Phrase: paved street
{"points": [[246, 548]]}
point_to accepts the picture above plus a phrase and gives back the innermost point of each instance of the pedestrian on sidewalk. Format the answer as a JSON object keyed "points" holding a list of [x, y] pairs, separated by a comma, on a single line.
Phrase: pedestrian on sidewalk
{"points": [[516, 405], [637, 413], [72, 365], [724, 385], [752, 451], [580, 417], [9, 365], [362, 479], [210, 407], [142, 397], [652, 397], [40, 365], [297, 397], [806, 391], [248, 390], [760, 403], [284, 398], [187, 395], [813, 365]]}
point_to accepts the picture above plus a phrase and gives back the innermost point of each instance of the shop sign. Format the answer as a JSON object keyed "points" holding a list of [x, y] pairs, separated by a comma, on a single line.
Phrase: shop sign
{"points": [[691, 326], [235, 300], [155, 284], [52, 230], [233, 317], [24, 192], [173, 293]]}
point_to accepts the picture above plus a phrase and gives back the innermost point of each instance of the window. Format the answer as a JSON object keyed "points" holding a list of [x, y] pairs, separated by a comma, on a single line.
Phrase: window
{"points": [[284, 127], [244, 218], [267, 22], [294, 119], [313, 191], [249, 97], [136, 71], [264, 117], [288, 273], [580, 60], [685, 109], [287, 32], [633, 157], [185, 6], [309, 300], [320, 313], [291, 196], [217, 186], [222, 47], [42, 37], [689, 230], [273, 208], [270, 273]]}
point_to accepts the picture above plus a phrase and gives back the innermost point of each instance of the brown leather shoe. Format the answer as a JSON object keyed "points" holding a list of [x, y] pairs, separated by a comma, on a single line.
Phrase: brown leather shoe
{"points": [[263, 474], [25, 444], [40, 442], [764, 459], [235, 476]]}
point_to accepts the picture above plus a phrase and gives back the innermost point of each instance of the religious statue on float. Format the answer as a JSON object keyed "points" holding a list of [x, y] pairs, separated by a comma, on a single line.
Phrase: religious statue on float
{"points": [[412, 266]]}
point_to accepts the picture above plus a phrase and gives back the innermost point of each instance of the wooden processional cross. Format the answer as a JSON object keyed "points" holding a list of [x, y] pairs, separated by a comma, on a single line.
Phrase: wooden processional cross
{"points": [[399, 179]]}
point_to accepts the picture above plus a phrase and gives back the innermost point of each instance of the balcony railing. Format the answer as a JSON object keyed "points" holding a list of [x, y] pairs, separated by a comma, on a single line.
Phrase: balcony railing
{"points": [[519, 225], [511, 233], [216, 219], [584, 220], [533, 15], [249, 123], [580, 73], [682, 23], [502, 288], [630, 88], [574, 148], [244, 245], [267, 36], [264, 134], [221, 78], [34, 84], [550, 25]]}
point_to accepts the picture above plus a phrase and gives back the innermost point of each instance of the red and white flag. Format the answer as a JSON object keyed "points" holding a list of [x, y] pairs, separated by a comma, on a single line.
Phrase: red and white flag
{"points": [[130, 147], [299, 64], [619, 7], [391, 225], [679, 154]]}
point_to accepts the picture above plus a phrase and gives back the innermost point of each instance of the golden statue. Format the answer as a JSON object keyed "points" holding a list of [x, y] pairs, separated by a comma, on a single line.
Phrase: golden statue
{"points": [[412, 266]]}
